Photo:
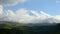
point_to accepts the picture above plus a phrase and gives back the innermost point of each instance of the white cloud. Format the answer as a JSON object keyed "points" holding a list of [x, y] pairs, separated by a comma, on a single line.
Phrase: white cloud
{"points": [[23, 16], [11, 2], [57, 17], [1, 9], [57, 1]]}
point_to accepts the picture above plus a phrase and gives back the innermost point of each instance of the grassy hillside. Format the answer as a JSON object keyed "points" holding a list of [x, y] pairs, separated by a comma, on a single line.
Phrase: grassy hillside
{"points": [[16, 28]]}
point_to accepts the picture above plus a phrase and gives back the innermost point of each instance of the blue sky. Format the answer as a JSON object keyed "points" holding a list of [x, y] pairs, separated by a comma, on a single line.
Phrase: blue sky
{"points": [[49, 6]]}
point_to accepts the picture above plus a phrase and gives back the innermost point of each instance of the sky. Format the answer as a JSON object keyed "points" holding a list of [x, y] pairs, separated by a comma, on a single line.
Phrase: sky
{"points": [[49, 6], [30, 11]]}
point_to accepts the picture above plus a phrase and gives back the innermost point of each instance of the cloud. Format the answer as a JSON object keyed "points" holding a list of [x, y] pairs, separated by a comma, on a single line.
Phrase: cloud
{"points": [[57, 17], [1, 9], [11, 2], [24, 16], [57, 1]]}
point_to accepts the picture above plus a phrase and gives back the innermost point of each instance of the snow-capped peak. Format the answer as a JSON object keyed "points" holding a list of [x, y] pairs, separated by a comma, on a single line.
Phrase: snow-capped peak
{"points": [[43, 13]]}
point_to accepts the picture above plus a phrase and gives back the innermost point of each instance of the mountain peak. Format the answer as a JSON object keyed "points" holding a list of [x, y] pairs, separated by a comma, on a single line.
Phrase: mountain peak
{"points": [[43, 13]]}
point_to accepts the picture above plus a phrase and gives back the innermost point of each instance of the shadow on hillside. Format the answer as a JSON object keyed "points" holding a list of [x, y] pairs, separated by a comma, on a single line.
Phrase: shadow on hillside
{"points": [[33, 30]]}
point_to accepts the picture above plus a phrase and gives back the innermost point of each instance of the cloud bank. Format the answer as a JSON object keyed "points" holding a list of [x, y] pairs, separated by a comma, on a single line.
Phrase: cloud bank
{"points": [[25, 16], [11, 2], [28, 16]]}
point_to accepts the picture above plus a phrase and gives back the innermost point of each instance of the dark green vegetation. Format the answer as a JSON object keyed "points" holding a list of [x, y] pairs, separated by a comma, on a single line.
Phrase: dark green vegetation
{"points": [[16, 28]]}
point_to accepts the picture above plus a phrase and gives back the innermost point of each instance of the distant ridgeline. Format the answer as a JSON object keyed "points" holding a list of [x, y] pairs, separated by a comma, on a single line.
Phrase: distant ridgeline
{"points": [[37, 28]]}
